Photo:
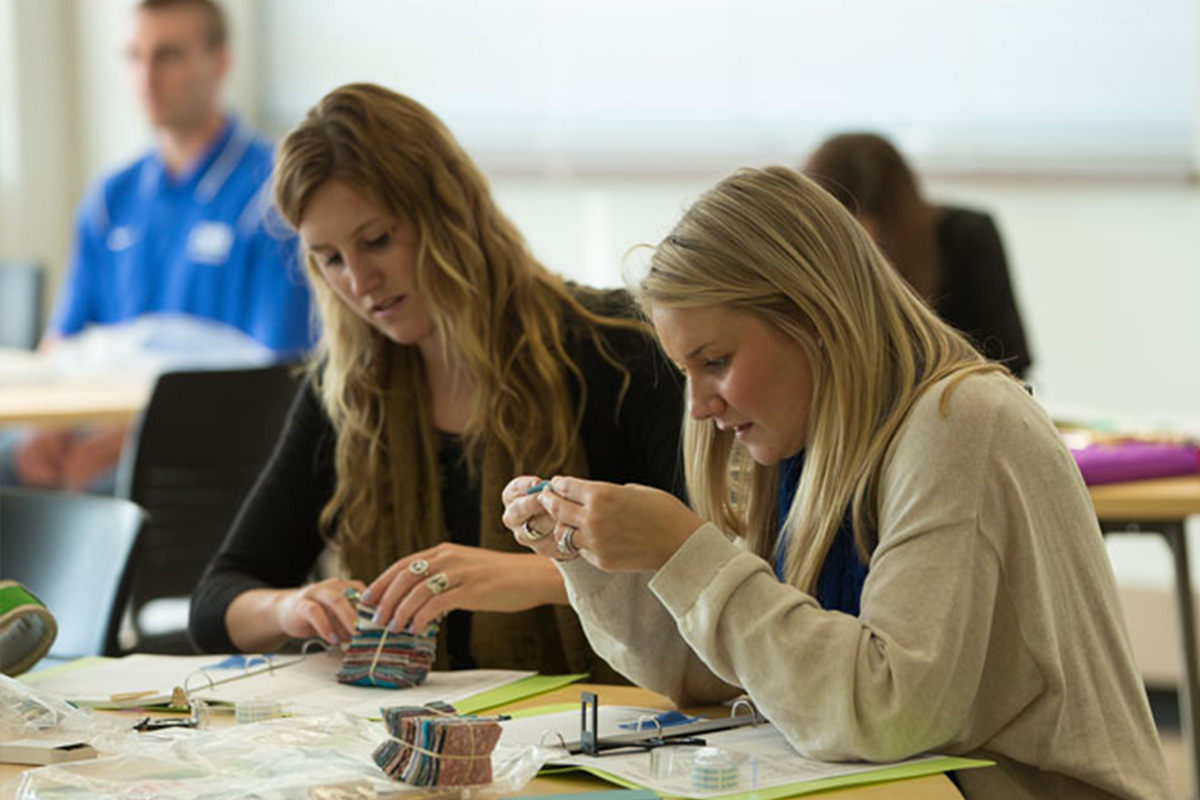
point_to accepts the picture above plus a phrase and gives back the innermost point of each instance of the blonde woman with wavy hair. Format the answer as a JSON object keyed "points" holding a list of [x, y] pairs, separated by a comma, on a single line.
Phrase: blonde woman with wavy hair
{"points": [[450, 360], [890, 550]]}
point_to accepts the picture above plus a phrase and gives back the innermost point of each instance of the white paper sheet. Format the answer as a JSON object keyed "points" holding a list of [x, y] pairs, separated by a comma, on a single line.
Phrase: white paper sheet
{"points": [[765, 759], [304, 685]]}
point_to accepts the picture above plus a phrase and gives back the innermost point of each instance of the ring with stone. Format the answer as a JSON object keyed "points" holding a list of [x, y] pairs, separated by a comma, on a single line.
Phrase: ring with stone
{"points": [[530, 533], [419, 567], [566, 545], [438, 583]]}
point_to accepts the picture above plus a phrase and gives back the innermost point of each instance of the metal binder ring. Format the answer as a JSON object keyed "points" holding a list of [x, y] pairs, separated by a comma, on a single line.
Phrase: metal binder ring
{"points": [[552, 735], [747, 704], [650, 718], [438, 583]]}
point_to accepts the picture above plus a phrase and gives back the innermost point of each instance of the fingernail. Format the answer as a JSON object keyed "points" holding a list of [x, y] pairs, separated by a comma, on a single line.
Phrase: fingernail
{"points": [[377, 618], [393, 627], [366, 597], [333, 638]]}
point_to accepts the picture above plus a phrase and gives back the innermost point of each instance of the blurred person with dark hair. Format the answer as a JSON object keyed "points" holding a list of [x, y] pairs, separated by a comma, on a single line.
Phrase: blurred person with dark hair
{"points": [[952, 256]]}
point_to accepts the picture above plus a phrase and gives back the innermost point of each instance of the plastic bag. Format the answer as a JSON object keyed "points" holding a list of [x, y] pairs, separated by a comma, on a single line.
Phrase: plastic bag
{"points": [[302, 758], [27, 713]]}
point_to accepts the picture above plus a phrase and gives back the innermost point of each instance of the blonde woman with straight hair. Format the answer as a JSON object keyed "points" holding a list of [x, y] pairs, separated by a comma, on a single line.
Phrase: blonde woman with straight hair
{"points": [[450, 360], [890, 550]]}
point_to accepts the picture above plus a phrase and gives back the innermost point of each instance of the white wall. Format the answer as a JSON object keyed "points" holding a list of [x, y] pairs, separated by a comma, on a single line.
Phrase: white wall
{"points": [[1107, 274], [39, 154]]}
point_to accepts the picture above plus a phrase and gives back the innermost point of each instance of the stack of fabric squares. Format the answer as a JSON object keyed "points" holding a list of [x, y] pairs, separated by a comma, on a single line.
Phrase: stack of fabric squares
{"points": [[439, 749], [378, 657]]}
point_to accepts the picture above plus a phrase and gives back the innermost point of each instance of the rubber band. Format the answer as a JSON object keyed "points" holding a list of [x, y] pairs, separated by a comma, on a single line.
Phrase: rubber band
{"points": [[379, 657], [375, 658]]}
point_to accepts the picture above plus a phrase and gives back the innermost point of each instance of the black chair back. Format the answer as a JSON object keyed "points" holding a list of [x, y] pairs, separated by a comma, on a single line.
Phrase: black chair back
{"points": [[72, 551], [201, 443]]}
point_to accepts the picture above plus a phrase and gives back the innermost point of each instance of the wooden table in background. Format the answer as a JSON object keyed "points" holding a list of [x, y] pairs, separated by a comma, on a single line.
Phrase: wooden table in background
{"points": [[71, 402], [931, 787], [1162, 506]]}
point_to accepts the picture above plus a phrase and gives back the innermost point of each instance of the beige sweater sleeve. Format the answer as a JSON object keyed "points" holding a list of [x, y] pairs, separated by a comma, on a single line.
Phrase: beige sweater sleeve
{"points": [[628, 626]]}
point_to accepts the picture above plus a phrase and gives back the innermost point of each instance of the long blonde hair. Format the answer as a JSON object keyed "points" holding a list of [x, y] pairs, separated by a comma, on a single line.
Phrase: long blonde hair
{"points": [[497, 310], [772, 243]]}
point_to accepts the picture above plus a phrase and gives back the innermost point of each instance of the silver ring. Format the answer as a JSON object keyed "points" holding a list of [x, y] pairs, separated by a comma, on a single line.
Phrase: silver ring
{"points": [[531, 534], [419, 567], [566, 547], [438, 583]]}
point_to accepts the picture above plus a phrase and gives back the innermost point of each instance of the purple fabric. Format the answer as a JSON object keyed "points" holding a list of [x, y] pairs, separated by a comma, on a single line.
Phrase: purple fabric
{"points": [[1132, 461]]}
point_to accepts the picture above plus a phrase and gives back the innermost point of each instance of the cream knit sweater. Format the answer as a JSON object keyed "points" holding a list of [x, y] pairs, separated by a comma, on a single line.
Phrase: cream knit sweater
{"points": [[990, 625]]}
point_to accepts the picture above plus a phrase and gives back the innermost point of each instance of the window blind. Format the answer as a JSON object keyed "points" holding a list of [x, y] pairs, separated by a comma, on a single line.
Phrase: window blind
{"points": [[645, 86]]}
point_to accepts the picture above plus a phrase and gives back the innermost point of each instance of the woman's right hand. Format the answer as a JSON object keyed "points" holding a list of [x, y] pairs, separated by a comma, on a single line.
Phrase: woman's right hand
{"points": [[319, 609], [531, 526]]}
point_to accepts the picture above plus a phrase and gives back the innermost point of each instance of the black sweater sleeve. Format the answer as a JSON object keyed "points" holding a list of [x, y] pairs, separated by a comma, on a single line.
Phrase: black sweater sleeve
{"points": [[275, 541]]}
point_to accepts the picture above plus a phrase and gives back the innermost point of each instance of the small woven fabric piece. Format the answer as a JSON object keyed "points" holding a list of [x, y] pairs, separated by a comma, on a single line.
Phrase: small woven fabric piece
{"points": [[377, 657], [438, 750]]}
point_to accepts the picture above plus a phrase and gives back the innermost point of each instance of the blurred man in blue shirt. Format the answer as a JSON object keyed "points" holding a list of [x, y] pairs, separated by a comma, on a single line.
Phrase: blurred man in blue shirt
{"points": [[186, 229]]}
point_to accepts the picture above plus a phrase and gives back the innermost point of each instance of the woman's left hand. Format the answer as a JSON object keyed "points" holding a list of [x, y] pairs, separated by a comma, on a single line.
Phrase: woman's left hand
{"points": [[618, 528], [420, 588]]}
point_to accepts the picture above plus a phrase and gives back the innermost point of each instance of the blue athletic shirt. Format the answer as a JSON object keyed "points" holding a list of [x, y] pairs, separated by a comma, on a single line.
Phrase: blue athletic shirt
{"points": [[205, 243]]}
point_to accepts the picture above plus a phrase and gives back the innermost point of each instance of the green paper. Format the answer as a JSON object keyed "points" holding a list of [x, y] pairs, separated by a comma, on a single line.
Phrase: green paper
{"points": [[614, 794], [517, 690], [541, 711], [933, 766]]}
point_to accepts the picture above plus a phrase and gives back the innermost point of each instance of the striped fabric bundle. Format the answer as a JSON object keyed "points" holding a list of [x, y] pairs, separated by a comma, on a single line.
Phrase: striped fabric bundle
{"points": [[392, 715], [377, 657], [437, 750]]}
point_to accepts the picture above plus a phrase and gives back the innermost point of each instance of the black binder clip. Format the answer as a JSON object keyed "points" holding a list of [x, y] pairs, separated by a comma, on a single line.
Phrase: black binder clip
{"points": [[591, 744], [197, 719]]}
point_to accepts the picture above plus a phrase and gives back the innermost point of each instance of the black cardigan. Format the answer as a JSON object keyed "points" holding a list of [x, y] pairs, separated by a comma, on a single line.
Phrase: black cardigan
{"points": [[976, 294]]}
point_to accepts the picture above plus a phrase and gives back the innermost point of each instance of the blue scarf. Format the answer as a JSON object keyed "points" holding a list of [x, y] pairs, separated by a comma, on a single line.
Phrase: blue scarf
{"points": [[839, 586]]}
